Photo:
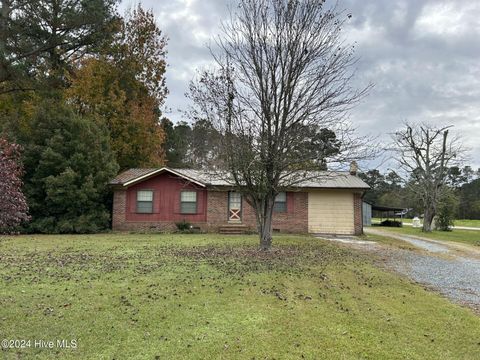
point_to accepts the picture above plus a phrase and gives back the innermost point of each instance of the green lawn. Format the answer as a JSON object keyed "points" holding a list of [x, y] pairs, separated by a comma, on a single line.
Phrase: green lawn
{"points": [[209, 296], [469, 223], [471, 237]]}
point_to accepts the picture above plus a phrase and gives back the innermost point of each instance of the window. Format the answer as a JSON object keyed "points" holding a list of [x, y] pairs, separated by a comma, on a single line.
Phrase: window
{"points": [[280, 202], [144, 201], [188, 202]]}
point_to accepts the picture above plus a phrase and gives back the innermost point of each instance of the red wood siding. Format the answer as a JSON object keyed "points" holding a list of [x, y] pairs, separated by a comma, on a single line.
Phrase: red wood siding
{"points": [[166, 200]]}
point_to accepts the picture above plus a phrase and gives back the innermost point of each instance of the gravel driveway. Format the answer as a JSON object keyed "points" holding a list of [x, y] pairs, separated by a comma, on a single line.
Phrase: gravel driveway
{"points": [[452, 269]]}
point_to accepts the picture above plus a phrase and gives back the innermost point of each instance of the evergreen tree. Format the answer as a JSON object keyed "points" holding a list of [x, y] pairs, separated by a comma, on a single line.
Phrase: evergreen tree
{"points": [[68, 164], [469, 195], [40, 39], [195, 146], [204, 143], [178, 143]]}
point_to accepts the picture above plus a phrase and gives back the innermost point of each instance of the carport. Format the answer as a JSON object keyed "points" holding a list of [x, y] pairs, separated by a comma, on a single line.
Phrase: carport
{"points": [[387, 212]]}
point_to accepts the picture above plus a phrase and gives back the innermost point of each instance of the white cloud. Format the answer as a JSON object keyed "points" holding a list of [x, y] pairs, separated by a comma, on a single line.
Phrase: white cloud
{"points": [[422, 56], [448, 19]]}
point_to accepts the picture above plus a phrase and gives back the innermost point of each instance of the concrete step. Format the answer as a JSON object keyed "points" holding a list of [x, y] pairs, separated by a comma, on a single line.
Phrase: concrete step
{"points": [[233, 229]]}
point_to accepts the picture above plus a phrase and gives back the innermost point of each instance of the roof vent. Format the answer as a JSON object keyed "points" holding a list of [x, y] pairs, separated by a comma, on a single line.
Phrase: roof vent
{"points": [[353, 168]]}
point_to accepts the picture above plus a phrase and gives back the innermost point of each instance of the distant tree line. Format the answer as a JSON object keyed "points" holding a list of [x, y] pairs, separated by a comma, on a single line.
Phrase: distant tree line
{"points": [[198, 145], [463, 185], [190, 146]]}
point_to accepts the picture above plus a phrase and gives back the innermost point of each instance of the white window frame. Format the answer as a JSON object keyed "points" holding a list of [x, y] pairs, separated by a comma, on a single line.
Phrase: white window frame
{"points": [[280, 206], [188, 201], [143, 201]]}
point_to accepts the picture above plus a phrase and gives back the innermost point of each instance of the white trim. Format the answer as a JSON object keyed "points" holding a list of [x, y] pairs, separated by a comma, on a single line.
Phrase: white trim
{"points": [[150, 192], [159, 171]]}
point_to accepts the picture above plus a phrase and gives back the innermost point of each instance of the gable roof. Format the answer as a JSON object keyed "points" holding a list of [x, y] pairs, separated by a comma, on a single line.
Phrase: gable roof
{"points": [[319, 179], [132, 176], [129, 175]]}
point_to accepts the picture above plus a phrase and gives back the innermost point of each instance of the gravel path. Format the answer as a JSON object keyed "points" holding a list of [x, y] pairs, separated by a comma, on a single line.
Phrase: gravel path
{"points": [[450, 268], [457, 278]]}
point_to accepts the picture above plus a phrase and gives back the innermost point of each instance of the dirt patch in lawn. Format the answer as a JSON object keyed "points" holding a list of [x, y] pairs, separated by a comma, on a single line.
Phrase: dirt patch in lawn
{"points": [[282, 259], [35, 267], [232, 261]]}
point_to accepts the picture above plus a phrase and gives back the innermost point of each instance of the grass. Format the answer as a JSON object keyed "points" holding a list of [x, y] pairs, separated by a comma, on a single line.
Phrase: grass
{"points": [[471, 237], [465, 222], [209, 296], [389, 241], [469, 223]]}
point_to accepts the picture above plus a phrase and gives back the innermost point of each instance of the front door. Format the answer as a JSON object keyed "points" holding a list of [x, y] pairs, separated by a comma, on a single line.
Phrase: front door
{"points": [[234, 206]]}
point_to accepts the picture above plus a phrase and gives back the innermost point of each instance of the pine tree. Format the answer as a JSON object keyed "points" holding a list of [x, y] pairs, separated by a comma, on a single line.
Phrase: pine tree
{"points": [[41, 39]]}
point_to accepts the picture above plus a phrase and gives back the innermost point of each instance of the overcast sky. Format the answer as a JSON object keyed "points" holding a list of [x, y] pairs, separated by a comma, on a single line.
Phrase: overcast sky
{"points": [[422, 56]]}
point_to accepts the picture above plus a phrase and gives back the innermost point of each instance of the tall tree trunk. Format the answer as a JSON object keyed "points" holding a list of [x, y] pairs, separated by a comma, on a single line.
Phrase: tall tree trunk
{"points": [[266, 235], [264, 219], [428, 216], [4, 16]]}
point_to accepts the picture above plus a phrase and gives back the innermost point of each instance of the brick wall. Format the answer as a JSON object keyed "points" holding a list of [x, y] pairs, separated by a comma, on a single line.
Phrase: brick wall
{"points": [[118, 212], [357, 213], [160, 226], [294, 220], [217, 209]]}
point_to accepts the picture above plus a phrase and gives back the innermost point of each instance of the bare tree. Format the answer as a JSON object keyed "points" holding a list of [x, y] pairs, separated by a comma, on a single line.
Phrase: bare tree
{"points": [[283, 76], [425, 152]]}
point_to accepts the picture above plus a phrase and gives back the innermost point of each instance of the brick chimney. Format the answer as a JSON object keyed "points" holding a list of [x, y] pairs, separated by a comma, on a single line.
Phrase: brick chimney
{"points": [[353, 168]]}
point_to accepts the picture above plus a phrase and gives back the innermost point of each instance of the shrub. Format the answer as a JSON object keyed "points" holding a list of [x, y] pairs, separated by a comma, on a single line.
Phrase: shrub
{"points": [[391, 223], [446, 210], [184, 226], [13, 206]]}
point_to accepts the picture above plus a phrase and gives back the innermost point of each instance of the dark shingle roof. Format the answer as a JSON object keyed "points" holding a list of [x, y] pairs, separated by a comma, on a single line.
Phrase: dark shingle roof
{"points": [[130, 174]]}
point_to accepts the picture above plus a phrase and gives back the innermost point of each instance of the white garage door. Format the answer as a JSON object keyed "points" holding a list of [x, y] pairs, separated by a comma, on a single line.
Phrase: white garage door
{"points": [[330, 212]]}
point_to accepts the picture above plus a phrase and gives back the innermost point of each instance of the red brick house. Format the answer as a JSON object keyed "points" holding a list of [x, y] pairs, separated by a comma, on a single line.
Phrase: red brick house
{"points": [[157, 199]]}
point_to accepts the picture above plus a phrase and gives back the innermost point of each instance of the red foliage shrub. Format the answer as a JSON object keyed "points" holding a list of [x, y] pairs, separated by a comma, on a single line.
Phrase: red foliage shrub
{"points": [[13, 205]]}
